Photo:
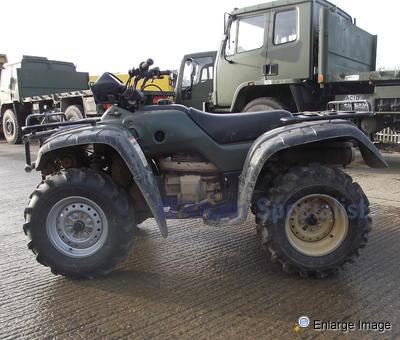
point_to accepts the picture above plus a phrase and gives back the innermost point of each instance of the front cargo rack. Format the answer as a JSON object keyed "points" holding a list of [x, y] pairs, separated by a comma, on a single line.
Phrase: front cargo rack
{"points": [[46, 128]]}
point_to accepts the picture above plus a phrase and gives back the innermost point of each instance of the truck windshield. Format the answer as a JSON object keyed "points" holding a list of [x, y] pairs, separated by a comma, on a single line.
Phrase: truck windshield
{"points": [[245, 34], [197, 70]]}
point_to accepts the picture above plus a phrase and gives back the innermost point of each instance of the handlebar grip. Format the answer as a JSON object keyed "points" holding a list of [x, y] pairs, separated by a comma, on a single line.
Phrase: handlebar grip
{"points": [[146, 64]]}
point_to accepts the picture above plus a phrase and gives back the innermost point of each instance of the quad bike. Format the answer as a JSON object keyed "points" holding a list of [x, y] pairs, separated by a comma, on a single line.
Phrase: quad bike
{"points": [[103, 177]]}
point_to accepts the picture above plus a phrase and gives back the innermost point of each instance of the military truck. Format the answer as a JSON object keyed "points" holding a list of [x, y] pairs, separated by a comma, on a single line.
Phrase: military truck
{"points": [[39, 85], [292, 54]]}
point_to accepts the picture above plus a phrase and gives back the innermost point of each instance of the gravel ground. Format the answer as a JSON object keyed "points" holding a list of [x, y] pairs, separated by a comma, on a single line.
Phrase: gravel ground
{"points": [[201, 282]]}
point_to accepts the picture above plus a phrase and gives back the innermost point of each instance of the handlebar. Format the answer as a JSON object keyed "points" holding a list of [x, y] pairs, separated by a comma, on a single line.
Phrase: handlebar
{"points": [[165, 73], [144, 71], [156, 72]]}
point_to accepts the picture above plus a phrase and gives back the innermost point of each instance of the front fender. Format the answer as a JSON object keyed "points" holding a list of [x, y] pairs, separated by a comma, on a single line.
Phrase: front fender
{"points": [[127, 147], [289, 136]]}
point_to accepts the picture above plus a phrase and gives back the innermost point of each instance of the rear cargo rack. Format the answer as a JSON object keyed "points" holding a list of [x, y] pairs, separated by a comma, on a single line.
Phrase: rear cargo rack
{"points": [[336, 104], [334, 114]]}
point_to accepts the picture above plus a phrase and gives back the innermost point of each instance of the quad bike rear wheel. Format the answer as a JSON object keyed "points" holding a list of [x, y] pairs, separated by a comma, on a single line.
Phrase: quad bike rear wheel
{"points": [[313, 220], [80, 223]]}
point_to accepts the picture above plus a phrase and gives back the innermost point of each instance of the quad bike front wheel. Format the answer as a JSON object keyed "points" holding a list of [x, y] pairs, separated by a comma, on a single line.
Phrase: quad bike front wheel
{"points": [[313, 220], [80, 223]]}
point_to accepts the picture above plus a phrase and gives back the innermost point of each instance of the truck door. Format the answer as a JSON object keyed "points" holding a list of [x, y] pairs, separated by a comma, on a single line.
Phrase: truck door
{"points": [[242, 56], [6, 85], [289, 44], [195, 83]]}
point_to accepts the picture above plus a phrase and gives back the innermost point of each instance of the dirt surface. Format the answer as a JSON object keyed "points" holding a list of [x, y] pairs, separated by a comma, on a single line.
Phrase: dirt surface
{"points": [[201, 282], [388, 147]]}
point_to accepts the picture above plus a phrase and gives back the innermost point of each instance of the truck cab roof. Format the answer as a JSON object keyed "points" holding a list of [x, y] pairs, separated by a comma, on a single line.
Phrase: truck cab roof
{"points": [[285, 3]]}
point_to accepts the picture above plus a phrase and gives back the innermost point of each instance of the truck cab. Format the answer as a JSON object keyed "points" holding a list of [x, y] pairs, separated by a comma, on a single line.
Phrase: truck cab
{"points": [[195, 80], [286, 51]]}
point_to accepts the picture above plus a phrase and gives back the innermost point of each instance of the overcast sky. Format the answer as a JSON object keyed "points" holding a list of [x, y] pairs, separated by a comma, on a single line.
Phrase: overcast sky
{"points": [[115, 35]]}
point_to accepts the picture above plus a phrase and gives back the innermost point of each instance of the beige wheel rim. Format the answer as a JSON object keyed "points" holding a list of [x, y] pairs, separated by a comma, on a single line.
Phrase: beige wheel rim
{"points": [[316, 225]]}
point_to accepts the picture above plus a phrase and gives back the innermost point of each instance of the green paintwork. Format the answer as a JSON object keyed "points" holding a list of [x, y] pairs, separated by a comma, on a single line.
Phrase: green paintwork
{"points": [[383, 77], [387, 91], [344, 48], [35, 76], [182, 135]]}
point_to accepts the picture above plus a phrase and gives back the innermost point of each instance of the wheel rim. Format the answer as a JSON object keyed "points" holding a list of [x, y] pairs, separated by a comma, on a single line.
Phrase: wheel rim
{"points": [[9, 127], [316, 225], [77, 226]]}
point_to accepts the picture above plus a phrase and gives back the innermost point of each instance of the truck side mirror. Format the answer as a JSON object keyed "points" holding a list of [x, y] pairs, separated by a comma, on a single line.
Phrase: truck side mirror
{"points": [[227, 16]]}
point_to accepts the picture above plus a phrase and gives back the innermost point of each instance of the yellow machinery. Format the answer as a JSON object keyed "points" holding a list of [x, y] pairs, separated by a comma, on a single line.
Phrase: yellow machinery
{"points": [[165, 83]]}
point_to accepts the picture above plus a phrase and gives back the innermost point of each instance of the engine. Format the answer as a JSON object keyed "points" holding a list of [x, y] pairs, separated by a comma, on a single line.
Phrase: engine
{"points": [[190, 180]]}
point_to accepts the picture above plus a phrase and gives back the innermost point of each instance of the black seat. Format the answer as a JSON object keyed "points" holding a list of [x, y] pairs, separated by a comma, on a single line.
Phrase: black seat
{"points": [[237, 127]]}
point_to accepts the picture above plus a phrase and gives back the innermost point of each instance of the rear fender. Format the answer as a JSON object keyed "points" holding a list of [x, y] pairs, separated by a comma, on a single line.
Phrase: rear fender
{"points": [[290, 136], [127, 147]]}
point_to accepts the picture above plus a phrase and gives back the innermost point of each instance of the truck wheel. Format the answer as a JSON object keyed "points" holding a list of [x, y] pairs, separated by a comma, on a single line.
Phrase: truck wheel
{"points": [[315, 219], [264, 104], [12, 128], [80, 223], [74, 112]]}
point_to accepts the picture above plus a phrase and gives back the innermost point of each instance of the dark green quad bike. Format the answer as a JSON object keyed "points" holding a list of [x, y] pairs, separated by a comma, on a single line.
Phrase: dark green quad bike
{"points": [[101, 178]]}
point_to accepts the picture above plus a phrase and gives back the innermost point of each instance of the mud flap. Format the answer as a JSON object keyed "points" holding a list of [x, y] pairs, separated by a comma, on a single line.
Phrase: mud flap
{"points": [[130, 151]]}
